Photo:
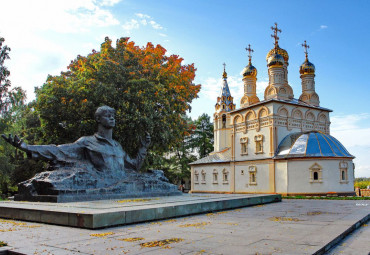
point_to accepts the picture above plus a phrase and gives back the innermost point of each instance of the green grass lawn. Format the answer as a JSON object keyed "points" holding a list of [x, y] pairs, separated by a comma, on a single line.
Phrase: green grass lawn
{"points": [[324, 197]]}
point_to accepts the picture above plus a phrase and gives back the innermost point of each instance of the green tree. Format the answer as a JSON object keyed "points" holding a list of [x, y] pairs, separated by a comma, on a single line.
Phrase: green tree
{"points": [[149, 90], [175, 162], [11, 100], [11, 106], [4, 74], [202, 138]]}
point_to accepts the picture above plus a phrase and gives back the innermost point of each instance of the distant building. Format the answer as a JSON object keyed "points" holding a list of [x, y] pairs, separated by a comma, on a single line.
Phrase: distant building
{"points": [[276, 145]]}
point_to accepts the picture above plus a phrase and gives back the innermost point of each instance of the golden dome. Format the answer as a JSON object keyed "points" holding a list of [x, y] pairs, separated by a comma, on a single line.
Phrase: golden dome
{"points": [[250, 70], [280, 51], [307, 68], [275, 59]]}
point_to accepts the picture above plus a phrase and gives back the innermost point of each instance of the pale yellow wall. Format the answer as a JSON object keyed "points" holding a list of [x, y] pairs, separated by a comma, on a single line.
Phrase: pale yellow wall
{"points": [[291, 176], [209, 185], [222, 137], [274, 127], [243, 182], [299, 176], [252, 144], [299, 125], [281, 177], [240, 130]]}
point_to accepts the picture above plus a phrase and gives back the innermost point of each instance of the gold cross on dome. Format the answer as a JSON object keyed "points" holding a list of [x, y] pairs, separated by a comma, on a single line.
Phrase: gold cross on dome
{"points": [[275, 36], [249, 49], [306, 46], [224, 75]]}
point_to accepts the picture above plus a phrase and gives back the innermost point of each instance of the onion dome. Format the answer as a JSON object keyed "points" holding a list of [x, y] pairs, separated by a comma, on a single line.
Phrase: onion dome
{"points": [[307, 68], [275, 59], [280, 51], [310, 144], [224, 75], [250, 70]]}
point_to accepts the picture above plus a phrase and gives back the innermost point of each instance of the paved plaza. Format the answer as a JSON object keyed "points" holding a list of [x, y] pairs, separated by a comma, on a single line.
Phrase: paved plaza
{"points": [[287, 227]]}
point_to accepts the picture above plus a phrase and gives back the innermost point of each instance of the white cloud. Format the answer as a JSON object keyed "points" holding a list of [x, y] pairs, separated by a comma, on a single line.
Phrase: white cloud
{"points": [[347, 122], [353, 131], [261, 86], [37, 33], [143, 20], [163, 35], [68, 16], [109, 2], [143, 16], [130, 25], [211, 88], [323, 27], [155, 25]]}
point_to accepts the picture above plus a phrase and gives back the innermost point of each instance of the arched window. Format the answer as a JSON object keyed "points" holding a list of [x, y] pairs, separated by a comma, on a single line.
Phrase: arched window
{"points": [[223, 121], [225, 176], [259, 143], [215, 176], [252, 175], [315, 173], [315, 176], [203, 176], [244, 145], [196, 176], [343, 168]]}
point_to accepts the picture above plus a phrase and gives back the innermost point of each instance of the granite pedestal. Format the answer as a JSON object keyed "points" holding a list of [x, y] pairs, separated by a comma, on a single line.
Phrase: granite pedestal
{"points": [[107, 213]]}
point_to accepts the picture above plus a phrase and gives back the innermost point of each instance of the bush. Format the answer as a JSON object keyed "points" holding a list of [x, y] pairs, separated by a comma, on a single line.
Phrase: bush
{"points": [[362, 184]]}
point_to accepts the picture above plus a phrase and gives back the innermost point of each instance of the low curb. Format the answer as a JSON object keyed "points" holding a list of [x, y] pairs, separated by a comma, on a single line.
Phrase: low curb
{"points": [[340, 237]]}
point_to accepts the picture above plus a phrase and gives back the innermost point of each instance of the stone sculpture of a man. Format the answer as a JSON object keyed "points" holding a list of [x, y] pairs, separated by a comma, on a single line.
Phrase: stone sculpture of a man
{"points": [[93, 167], [99, 151]]}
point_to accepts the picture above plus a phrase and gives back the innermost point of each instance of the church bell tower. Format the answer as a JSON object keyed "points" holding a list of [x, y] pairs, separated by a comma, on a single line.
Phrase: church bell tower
{"points": [[249, 80], [222, 127], [307, 71], [277, 63]]}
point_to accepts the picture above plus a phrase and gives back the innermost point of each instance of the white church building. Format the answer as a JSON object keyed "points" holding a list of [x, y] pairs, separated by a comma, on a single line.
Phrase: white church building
{"points": [[278, 144]]}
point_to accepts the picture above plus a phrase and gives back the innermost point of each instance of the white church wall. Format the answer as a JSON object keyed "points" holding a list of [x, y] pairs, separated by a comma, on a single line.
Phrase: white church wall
{"points": [[244, 181], [222, 132], [210, 183], [251, 136], [300, 179], [281, 177]]}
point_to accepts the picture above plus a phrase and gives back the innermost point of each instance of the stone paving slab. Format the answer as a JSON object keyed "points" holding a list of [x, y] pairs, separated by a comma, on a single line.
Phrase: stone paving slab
{"points": [[356, 243], [288, 227], [108, 213]]}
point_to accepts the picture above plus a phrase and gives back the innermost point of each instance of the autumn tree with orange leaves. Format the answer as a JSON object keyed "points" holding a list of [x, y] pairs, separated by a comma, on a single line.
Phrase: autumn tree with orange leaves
{"points": [[150, 91]]}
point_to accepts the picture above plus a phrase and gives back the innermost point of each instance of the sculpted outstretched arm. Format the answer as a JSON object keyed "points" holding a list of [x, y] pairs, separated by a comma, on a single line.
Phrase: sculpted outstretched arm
{"points": [[137, 162], [16, 142], [61, 153]]}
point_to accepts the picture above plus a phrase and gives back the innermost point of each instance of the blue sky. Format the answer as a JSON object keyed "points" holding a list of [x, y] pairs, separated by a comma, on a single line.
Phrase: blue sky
{"points": [[46, 35]]}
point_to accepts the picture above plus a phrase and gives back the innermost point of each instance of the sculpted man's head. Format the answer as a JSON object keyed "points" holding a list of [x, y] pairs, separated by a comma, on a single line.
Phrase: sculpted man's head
{"points": [[104, 116]]}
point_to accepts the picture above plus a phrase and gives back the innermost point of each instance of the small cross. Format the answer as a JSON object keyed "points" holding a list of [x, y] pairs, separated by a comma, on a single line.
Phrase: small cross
{"points": [[224, 75], [306, 46], [249, 49], [275, 36]]}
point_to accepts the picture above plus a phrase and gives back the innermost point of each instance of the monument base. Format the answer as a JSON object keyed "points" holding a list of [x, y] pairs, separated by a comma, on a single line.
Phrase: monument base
{"points": [[65, 198], [64, 185], [108, 213]]}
